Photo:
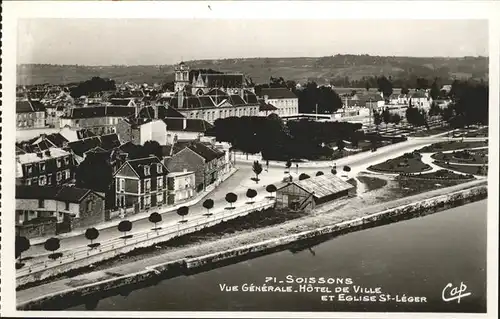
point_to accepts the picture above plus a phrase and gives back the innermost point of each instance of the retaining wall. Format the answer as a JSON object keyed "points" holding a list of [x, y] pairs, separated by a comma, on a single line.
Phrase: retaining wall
{"points": [[190, 265]]}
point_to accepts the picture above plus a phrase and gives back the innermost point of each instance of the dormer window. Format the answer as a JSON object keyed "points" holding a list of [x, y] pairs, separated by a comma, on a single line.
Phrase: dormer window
{"points": [[159, 168], [147, 170]]}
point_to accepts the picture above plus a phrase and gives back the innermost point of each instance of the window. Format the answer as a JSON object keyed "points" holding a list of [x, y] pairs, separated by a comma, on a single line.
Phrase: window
{"points": [[159, 197], [147, 185], [58, 161], [90, 205], [49, 179], [43, 180], [147, 200], [66, 160], [29, 169], [159, 168], [28, 181], [121, 185], [159, 182], [41, 203], [67, 173], [66, 206], [147, 170], [58, 176], [42, 166]]}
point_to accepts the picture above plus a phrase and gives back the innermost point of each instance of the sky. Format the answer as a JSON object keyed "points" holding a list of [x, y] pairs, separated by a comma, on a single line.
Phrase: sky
{"points": [[168, 41]]}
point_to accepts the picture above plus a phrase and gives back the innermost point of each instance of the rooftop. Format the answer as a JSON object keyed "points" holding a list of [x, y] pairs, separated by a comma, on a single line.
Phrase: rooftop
{"points": [[323, 185], [61, 193]]}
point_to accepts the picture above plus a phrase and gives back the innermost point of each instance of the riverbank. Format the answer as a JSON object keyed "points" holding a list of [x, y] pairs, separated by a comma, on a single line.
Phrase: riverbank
{"points": [[322, 224]]}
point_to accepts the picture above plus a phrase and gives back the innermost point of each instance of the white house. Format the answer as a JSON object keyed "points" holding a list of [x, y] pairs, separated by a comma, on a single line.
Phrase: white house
{"points": [[286, 102]]}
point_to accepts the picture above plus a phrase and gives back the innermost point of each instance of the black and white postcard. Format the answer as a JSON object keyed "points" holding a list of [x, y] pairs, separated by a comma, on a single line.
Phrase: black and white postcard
{"points": [[250, 159]]}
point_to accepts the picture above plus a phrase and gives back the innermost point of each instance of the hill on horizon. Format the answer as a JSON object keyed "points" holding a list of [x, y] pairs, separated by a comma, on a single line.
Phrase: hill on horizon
{"points": [[302, 69]]}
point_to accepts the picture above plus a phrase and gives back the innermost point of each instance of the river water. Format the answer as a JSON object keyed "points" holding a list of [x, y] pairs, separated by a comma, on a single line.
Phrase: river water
{"points": [[416, 257]]}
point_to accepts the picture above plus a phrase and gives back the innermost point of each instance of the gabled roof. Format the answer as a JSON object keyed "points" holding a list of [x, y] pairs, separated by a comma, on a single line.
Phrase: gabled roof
{"points": [[82, 146], [139, 164], [192, 125], [101, 111], [61, 193], [109, 141], [223, 80], [323, 185], [278, 93], [236, 100], [204, 151], [41, 156], [263, 106], [120, 101]]}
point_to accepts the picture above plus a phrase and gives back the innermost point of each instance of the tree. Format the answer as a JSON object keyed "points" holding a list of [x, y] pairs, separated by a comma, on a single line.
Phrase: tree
{"points": [[257, 169], [303, 176], [271, 189], [435, 91], [377, 119], [319, 173], [395, 118], [386, 116], [155, 218], [208, 204], [154, 148], [384, 86], [94, 173], [22, 245], [91, 234], [125, 226], [334, 171], [434, 110], [231, 198], [405, 90], [52, 244], [340, 144], [251, 193], [183, 211], [347, 169]]}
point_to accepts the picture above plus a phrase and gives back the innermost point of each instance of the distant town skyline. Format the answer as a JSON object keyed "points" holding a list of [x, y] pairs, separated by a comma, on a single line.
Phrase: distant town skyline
{"points": [[96, 42]]}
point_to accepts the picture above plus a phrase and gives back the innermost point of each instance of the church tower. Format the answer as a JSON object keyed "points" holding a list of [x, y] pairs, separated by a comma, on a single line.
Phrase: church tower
{"points": [[181, 76]]}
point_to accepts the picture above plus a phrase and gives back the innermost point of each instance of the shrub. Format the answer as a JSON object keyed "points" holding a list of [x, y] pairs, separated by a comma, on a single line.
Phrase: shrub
{"points": [[347, 169]]}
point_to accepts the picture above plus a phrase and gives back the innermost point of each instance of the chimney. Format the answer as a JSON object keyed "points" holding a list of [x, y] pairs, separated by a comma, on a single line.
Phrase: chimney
{"points": [[155, 108]]}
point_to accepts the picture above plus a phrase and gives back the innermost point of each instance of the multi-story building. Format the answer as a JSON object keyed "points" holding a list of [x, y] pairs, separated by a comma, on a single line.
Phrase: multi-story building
{"points": [[216, 104], [421, 99], [283, 99], [141, 183], [51, 167], [183, 129], [44, 211], [207, 163], [30, 114], [138, 131], [181, 186], [98, 119]]}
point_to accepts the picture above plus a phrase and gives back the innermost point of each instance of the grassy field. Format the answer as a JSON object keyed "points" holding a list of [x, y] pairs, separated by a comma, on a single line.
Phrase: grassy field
{"points": [[320, 69], [372, 183], [451, 146], [408, 163], [463, 157], [466, 169]]}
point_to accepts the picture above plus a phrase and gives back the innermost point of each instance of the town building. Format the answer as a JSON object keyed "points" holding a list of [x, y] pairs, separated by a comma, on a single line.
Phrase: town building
{"points": [[266, 109], [283, 99], [312, 192], [141, 184], [139, 131], [98, 119], [181, 186], [50, 167], [102, 143], [208, 164], [421, 99], [200, 82], [30, 114], [47, 211], [183, 129], [216, 104]]}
